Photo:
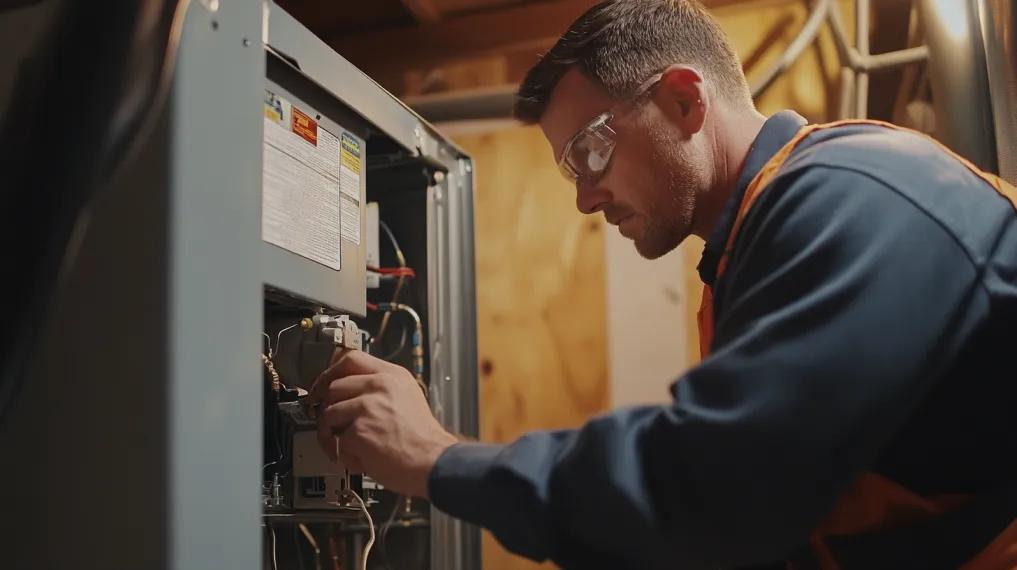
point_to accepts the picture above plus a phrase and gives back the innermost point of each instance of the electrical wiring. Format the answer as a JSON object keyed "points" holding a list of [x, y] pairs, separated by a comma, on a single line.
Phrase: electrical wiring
{"points": [[274, 351], [278, 337], [370, 528], [271, 532], [395, 298], [402, 346], [297, 550], [402, 337], [390, 278], [279, 450], [416, 342], [267, 359], [393, 271], [401, 258], [276, 379], [277, 383], [395, 244], [333, 548], [349, 492], [314, 545], [383, 539]]}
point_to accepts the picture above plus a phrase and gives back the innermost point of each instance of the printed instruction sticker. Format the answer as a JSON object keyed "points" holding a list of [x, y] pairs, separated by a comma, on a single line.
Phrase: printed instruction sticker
{"points": [[300, 204], [349, 186]]}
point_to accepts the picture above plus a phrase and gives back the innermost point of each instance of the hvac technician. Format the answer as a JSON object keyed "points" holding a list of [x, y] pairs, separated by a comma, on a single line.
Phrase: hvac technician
{"points": [[857, 404]]}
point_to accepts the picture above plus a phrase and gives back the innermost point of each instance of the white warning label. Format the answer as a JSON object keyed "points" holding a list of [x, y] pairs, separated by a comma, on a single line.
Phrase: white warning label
{"points": [[349, 185], [300, 206]]}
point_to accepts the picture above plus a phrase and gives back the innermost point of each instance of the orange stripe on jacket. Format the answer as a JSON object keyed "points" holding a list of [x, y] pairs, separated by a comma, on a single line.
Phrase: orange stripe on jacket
{"points": [[873, 502]]}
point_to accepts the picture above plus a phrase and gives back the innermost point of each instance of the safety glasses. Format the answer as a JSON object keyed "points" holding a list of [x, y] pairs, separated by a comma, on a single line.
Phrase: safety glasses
{"points": [[588, 153]]}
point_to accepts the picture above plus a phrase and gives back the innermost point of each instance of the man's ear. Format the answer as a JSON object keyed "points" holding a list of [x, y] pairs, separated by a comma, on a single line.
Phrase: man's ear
{"points": [[682, 97]]}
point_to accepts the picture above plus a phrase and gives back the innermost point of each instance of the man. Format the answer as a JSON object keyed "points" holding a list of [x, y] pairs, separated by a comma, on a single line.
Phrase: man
{"points": [[861, 295]]}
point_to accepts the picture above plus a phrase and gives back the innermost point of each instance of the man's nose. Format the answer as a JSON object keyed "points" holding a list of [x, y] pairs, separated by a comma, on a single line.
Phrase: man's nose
{"points": [[591, 197]]}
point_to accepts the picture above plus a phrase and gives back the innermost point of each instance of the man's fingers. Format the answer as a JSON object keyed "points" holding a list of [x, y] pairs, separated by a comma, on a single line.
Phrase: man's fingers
{"points": [[350, 363], [338, 416], [355, 362], [348, 388], [332, 421]]}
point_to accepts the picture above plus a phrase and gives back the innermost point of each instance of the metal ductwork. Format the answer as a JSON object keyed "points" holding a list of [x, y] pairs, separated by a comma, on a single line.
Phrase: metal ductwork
{"points": [[999, 32], [973, 73]]}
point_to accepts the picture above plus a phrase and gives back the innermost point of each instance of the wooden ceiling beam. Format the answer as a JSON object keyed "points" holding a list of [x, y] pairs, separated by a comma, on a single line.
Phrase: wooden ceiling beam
{"points": [[535, 26], [424, 11], [461, 37]]}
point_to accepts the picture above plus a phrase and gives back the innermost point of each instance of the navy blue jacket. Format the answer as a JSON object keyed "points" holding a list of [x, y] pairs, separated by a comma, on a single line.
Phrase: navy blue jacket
{"points": [[866, 322]]}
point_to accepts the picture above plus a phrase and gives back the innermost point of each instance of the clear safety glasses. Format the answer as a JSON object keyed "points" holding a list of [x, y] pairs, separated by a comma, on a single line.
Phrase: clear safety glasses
{"points": [[588, 153]]}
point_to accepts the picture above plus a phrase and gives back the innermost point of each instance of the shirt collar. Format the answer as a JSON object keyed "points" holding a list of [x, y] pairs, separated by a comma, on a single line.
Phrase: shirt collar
{"points": [[777, 131]]}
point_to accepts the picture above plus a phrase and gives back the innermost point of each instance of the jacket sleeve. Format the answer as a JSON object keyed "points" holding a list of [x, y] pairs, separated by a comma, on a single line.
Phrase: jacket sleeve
{"points": [[841, 300]]}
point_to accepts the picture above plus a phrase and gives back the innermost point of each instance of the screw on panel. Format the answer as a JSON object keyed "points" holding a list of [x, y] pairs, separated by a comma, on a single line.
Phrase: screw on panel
{"points": [[418, 133]]}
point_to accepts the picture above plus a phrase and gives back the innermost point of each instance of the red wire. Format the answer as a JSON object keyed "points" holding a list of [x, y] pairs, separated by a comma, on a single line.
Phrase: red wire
{"points": [[372, 307], [395, 271]]}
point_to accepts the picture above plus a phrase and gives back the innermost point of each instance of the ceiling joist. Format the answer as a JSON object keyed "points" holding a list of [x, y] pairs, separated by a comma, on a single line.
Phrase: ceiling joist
{"points": [[457, 38], [533, 26], [424, 11]]}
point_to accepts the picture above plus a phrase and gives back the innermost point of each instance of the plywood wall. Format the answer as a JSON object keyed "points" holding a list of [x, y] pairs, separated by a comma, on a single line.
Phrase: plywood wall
{"points": [[541, 278], [540, 298]]}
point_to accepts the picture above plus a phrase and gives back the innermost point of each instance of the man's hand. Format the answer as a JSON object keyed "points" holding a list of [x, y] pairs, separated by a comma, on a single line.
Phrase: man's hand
{"points": [[384, 425]]}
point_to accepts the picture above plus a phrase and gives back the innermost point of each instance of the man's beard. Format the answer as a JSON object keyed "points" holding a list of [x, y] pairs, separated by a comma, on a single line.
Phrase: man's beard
{"points": [[658, 239], [667, 226]]}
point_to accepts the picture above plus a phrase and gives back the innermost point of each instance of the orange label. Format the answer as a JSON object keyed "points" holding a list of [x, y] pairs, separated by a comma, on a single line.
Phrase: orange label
{"points": [[305, 126]]}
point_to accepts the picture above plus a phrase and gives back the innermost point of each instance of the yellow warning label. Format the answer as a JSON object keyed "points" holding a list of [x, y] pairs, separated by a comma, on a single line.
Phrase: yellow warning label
{"points": [[349, 152]]}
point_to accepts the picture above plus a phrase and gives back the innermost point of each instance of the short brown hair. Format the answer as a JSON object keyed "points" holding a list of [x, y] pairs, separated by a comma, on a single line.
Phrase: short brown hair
{"points": [[622, 43]]}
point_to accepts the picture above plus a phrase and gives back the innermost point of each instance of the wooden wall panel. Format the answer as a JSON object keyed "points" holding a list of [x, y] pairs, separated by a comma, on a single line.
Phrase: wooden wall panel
{"points": [[540, 298]]}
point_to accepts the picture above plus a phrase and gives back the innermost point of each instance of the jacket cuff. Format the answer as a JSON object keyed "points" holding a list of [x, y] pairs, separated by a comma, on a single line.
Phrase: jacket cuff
{"points": [[458, 483]]}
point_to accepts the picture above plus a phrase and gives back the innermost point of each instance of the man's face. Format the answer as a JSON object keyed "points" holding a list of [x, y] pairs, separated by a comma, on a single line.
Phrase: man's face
{"points": [[655, 173]]}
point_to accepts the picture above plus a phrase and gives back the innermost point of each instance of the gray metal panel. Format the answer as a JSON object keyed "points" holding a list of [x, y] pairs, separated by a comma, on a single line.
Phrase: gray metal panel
{"points": [[214, 297], [319, 63], [453, 334], [343, 290], [999, 31], [139, 454], [85, 458], [960, 89]]}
